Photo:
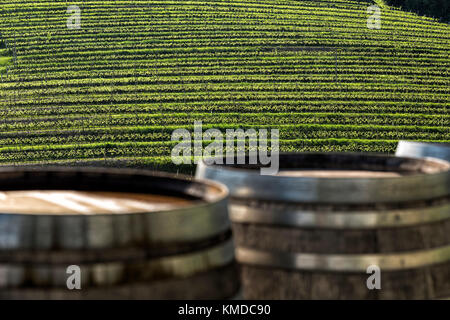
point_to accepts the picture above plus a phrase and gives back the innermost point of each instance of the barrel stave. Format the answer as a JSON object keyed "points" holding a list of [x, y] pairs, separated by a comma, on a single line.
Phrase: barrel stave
{"points": [[329, 241], [427, 283]]}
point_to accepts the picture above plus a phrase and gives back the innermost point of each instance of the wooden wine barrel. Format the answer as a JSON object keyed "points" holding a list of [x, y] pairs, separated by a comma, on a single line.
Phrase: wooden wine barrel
{"points": [[134, 234], [313, 230], [416, 149]]}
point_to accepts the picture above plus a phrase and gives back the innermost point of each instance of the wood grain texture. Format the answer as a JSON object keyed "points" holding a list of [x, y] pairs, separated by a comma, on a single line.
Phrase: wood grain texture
{"points": [[267, 283], [309, 240], [428, 282]]}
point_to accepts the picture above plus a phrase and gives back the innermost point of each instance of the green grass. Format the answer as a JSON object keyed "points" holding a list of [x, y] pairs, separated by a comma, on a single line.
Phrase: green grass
{"points": [[4, 60], [112, 92]]}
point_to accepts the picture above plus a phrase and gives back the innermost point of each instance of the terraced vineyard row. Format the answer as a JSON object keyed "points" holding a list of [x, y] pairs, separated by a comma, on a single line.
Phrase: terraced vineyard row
{"points": [[115, 89]]}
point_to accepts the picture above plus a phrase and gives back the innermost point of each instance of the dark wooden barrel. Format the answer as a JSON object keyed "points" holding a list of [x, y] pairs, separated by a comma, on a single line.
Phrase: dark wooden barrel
{"points": [[134, 234], [312, 231], [416, 149]]}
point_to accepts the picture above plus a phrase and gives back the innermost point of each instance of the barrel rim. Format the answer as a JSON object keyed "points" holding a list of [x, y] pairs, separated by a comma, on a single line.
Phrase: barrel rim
{"points": [[250, 184], [441, 162], [222, 190]]}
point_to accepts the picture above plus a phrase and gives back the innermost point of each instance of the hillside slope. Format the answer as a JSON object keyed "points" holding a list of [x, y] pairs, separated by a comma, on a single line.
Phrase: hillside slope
{"points": [[136, 70]]}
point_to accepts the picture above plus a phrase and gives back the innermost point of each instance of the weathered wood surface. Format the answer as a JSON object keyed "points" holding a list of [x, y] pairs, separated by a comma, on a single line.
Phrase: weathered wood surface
{"points": [[311, 240], [268, 283]]}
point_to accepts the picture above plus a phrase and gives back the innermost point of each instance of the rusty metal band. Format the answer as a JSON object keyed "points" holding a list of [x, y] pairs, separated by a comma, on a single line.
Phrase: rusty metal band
{"points": [[341, 262], [250, 184], [43, 232], [111, 273], [285, 216], [423, 149]]}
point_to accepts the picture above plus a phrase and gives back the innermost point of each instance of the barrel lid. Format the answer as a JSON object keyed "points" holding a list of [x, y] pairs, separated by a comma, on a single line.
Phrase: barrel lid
{"points": [[416, 179], [107, 181]]}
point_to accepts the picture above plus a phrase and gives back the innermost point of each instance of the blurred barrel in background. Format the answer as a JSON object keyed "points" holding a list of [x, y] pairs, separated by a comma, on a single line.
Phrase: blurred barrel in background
{"points": [[134, 235], [313, 230], [416, 149]]}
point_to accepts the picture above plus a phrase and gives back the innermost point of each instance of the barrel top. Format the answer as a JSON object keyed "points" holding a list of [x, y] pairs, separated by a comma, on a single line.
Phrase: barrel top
{"points": [[374, 165], [85, 202], [336, 178], [74, 191]]}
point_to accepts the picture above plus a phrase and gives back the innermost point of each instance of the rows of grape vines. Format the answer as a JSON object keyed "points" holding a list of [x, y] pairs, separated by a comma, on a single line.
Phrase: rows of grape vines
{"points": [[115, 89]]}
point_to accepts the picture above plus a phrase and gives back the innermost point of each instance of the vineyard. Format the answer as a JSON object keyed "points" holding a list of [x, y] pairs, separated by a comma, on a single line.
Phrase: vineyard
{"points": [[114, 90], [5, 58]]}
